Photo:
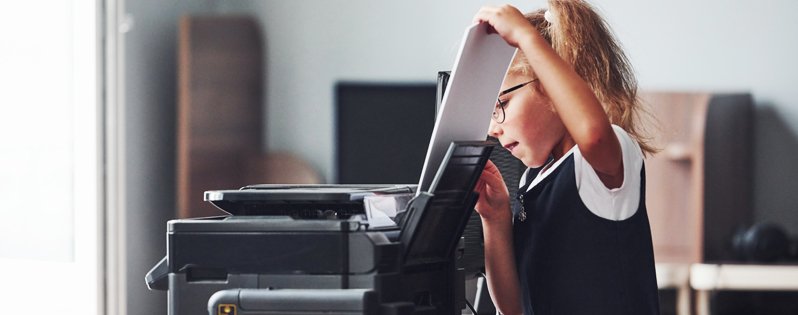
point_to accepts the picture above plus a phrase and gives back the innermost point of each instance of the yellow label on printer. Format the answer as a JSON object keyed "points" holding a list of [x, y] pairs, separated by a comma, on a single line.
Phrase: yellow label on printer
{"points": [[227, 309]]}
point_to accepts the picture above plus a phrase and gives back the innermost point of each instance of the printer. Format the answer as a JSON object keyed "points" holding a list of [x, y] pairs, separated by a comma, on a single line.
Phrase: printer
{"points": [[311, 249]]}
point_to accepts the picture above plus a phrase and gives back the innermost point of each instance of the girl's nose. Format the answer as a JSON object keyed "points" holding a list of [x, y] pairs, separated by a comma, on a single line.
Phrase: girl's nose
{"points": [[495, 129]]}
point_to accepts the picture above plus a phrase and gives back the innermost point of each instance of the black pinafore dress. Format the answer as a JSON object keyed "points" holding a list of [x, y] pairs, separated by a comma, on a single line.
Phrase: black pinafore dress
{"points": [[571, 261]]}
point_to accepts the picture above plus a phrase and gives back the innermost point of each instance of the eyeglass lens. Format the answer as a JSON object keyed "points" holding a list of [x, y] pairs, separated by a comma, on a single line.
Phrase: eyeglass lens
{"points": [[498, 110]]}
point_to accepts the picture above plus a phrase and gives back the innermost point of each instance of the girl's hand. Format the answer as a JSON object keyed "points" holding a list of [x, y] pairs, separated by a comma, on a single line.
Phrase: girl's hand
{"points": [[507, 21], [497, 229], [494, 200]]}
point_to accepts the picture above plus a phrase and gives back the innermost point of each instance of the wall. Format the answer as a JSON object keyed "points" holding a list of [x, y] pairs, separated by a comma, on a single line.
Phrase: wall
{"points": [[150, 118], [681, 45]]}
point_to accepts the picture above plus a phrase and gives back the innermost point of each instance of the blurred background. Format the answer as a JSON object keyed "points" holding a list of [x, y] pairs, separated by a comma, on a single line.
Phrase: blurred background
{"points": [[90, 162]]}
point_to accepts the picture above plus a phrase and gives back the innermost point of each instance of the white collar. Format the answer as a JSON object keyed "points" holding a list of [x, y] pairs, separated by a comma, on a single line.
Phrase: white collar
{"points": [[542, 175]]}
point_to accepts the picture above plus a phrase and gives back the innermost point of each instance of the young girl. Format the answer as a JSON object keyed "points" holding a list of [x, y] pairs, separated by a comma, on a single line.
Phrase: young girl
{"points": [[579, 240]]}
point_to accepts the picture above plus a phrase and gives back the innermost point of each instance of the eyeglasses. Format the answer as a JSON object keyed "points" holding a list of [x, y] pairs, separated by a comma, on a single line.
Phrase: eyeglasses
{"points": [[498, 111]]}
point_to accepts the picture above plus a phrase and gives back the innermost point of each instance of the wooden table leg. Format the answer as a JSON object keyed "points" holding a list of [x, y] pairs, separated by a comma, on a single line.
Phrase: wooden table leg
{"points": [[702, 302], [683, 300]]}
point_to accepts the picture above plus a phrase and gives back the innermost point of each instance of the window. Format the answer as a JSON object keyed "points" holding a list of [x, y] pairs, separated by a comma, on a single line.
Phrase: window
{"points": [[49, 155]]}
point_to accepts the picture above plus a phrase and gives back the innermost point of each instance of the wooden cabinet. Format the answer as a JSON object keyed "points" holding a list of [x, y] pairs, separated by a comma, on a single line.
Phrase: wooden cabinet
{"points": [[220, 84], [700, 187]]}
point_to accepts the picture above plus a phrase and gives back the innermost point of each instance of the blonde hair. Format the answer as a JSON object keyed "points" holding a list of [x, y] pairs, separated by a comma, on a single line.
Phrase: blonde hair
{"points": [[582, 38]]}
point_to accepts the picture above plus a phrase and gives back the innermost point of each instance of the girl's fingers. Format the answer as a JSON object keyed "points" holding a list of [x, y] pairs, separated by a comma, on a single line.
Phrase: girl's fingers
{"points": [[504, 20], [493, 193], [491, 176], [484, 14], [488, 15]]}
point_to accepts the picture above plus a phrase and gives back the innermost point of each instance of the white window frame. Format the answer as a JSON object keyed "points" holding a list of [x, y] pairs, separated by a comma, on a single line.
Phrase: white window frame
{"points": [[114, 295]]}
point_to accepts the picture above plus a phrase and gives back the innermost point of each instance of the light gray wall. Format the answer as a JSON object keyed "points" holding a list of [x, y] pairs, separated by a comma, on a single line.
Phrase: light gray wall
{"points": [[150, 78], [680, 45]]}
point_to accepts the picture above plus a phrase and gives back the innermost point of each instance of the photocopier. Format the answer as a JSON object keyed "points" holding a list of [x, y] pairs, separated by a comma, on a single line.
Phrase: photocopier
{"points": [[308, 249]]}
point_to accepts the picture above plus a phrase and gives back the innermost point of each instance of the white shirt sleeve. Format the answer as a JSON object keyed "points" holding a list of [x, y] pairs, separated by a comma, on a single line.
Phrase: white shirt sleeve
{"points": [[613, 204]]}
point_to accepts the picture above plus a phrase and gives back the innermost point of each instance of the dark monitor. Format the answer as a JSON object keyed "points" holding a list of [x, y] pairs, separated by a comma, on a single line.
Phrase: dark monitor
{"points": [[383, 131]]}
